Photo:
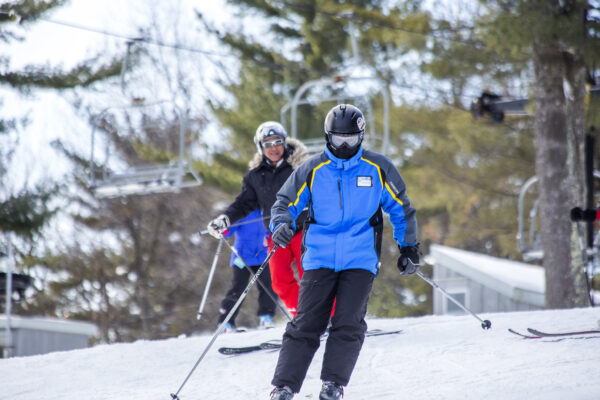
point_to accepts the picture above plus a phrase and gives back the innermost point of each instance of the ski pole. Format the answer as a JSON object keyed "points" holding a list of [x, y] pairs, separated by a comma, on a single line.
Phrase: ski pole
{"points": [[205, 231], [485, 324], [210, 278], [221, 327], [276, 301]]}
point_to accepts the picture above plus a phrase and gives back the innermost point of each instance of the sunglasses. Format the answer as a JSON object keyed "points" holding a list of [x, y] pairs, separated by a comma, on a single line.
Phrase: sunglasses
{"points": [[339, 140], [272, 143]]}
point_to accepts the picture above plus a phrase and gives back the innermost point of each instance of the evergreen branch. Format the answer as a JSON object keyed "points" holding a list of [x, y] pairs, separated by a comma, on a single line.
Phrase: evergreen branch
{"points": [[80, 76], [27, 212], [258, 54], [439, 167], [26, 11], [379, 20]]}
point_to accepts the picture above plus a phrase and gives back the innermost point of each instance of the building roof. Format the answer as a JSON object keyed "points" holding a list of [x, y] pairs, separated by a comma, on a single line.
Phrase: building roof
{"points": [[50, 325], [519, 281]]}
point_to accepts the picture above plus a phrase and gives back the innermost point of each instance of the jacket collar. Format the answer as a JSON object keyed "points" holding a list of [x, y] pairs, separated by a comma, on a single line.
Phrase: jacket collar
{"points": [[341, 163], [267, 163]]}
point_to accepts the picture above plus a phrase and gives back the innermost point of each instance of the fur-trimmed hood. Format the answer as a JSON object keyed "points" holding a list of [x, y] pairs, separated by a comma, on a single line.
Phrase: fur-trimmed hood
{"points": [[296, 154]]}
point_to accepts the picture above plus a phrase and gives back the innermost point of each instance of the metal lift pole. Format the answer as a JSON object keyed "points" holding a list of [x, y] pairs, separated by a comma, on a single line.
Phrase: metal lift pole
{"points": [[9, 271], [181, 146], [296, 100]]}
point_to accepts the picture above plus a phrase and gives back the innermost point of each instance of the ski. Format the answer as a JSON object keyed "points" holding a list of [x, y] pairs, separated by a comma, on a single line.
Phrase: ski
{"points": [[523, 335], [271, 344], [560, 334], [276, 343], [380, 332], [535, 334]]}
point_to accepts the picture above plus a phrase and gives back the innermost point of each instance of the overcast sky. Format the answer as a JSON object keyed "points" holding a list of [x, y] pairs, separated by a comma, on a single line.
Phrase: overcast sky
{"points": [[50, 41]]}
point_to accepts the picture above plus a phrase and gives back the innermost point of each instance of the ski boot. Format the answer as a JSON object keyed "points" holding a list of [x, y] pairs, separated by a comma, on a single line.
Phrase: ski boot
{"points": [[282, 393], [331, 391], [265, 321], [228, 328]]}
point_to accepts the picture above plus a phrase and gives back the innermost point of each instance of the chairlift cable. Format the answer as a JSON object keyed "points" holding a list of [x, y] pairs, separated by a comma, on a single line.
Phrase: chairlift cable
{"points": [[134, 39], [176, 46]]}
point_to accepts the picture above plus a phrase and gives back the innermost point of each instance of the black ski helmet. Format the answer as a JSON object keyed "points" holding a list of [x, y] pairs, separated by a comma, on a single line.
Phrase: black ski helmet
{"points": [[266, 130], [344, 120]]}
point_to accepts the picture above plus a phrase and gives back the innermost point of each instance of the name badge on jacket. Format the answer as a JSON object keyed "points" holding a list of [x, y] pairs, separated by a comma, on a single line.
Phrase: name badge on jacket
{"points": [[364, 181]]}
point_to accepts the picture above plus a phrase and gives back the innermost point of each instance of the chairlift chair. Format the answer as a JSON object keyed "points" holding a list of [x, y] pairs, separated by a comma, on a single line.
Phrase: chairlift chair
{"points": [[530, 248], [156, 178], [497, 106], [316, 145], [530, 245], [20, 283], [346, 78]]}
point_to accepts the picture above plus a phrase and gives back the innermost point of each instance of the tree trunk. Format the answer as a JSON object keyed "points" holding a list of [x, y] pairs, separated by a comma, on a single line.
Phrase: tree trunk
{"points": [[551, 160], [576, 78]]}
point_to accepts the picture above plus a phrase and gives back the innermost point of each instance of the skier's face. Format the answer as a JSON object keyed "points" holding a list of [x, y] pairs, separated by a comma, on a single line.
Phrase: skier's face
{"points": [[273, 153]]}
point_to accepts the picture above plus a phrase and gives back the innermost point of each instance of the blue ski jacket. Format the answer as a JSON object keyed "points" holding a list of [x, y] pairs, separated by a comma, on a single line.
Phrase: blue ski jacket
{"points": [[249, 239], [345, 199]]}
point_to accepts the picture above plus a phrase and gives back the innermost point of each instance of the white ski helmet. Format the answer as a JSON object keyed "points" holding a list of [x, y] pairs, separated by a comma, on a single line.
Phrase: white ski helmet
{"points": [[266, 130]]}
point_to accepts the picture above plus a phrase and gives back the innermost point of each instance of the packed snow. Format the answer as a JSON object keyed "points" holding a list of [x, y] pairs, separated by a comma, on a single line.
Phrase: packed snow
{"points": [[435, 357]]}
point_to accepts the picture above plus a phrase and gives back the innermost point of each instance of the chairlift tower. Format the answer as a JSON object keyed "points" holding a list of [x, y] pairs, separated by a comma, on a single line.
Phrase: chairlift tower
{"points": [[7, 343]]}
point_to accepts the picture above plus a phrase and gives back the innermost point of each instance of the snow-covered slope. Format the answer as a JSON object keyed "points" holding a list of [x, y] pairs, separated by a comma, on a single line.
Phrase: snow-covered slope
{"points": [[434, 358]]}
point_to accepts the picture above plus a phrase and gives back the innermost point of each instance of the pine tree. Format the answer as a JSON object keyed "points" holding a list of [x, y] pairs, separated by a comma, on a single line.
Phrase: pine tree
{"points": [[25, 211]]}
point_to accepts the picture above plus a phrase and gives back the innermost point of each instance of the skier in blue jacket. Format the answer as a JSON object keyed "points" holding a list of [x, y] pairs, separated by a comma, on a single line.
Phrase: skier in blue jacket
{"points": [[250, 242], [345, 188]]}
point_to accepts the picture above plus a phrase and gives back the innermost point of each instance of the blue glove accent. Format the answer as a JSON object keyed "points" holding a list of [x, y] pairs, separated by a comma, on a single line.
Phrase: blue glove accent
{"points": [[238, 262]]}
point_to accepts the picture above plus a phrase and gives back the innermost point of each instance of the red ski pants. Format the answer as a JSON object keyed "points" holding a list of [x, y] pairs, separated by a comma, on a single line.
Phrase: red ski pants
{"points": [[283, 280]]}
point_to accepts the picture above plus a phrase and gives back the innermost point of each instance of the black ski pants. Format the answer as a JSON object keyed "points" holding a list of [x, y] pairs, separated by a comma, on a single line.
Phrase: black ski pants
{"points": [[239, 282], [318, 289]]}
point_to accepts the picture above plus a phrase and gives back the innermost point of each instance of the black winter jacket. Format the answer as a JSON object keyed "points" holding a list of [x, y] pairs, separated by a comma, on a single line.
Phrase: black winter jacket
{"points": [[263, 181]]}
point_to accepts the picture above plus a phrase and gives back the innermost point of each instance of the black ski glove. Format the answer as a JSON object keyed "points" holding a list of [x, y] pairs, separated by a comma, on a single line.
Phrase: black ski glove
{"points": [[282, 235], [408, 262]]}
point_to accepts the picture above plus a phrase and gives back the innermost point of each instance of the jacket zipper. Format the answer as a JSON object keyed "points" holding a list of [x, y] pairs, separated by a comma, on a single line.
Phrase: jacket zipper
{"points": [[340, 192], [338, 236]]}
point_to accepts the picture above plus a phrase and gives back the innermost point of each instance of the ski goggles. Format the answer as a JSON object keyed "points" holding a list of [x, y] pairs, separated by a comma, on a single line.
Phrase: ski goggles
{"points": [[272, 143], [338, 140]]}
